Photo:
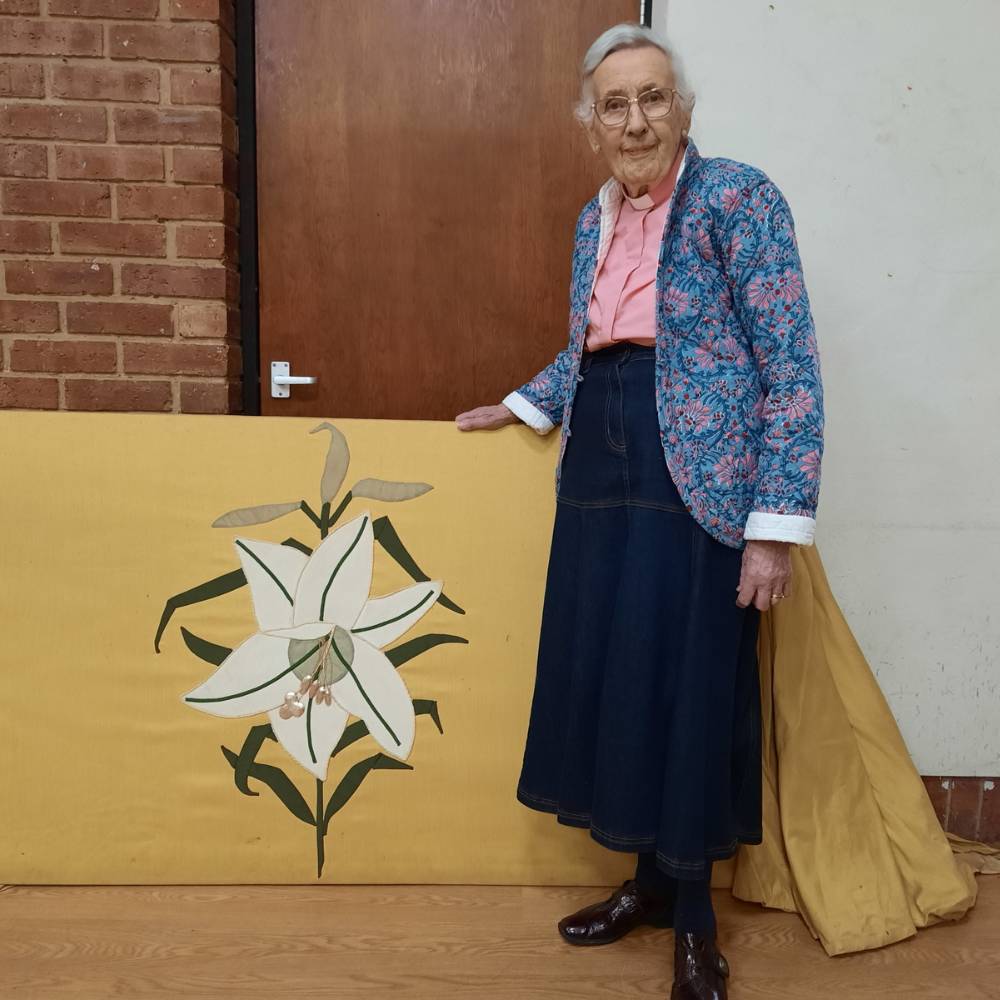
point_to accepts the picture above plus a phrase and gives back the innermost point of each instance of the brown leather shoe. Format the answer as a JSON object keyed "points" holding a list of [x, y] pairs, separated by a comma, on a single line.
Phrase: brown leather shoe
{"points": [[700, 970], [612, 918]]}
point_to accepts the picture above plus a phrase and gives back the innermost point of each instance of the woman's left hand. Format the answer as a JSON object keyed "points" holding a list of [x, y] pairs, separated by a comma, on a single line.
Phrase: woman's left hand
{"points": [[766, 571]]}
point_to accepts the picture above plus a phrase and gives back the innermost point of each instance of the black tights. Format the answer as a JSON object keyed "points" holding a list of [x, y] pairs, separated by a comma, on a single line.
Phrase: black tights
{"points": [[690, 900]]}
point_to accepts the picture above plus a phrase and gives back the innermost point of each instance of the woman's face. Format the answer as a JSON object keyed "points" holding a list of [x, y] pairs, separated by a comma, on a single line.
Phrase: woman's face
{"points": [[639, 152]]}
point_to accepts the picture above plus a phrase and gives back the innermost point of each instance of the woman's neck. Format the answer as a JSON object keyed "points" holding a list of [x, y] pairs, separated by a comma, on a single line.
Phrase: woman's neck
{"points": [[638, 190]]}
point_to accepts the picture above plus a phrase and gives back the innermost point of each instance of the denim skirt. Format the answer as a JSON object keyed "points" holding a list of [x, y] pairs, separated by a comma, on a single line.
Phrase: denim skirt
{"points": [[645, 723]]}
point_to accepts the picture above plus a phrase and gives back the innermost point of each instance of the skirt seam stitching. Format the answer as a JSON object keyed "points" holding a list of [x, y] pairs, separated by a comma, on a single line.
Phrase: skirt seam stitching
{"points": [[650, 840]]}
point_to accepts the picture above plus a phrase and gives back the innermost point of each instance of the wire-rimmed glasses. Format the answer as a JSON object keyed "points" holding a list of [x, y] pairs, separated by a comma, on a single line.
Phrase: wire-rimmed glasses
{"points": [[654, 103]]}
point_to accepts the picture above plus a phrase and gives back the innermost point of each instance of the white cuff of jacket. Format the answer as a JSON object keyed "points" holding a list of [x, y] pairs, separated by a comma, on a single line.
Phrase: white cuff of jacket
{"points": [[780, 528], [527, 412]]}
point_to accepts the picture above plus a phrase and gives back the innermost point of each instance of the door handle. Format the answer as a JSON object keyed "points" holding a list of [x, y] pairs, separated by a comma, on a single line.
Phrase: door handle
{"points": [[281, 379]]}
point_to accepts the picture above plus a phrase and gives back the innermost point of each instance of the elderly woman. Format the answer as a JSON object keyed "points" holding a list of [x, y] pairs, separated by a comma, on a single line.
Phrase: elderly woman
{"points": [[691, 410]]}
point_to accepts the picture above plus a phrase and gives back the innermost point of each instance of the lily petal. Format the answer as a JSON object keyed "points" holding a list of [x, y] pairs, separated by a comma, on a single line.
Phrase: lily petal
{"points": [[252, 679], [310, 630], [374, 691], [311, 737], [384, 619], [273, 572], [334, 585]]}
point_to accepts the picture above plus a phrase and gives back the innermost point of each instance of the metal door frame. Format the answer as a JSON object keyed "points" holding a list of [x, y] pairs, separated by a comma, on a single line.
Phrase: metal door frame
{"points": [[246, 151]]}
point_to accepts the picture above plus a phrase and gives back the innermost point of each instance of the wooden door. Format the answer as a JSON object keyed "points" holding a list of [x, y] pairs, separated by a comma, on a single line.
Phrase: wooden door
{"points": [[419, 177]]}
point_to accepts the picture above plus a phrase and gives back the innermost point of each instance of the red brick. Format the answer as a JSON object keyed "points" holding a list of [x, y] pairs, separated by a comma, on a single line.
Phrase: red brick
{"points": [[27, 37], [203, 319], [204, 85], [191, 282], [204, 10], [166, 43], [117, 394], [230, 174], [21, 80], [109, 163], [231, 210], [159, 201], [989, 819], [18, 159], [106, 83], [198, 166], [196, 126], [964, 806], [19, 6], [227, 55], [20, 316], [152, 358], [937, 791], [29, 393], [56, 198], [137, 9], [129, 318], [211, 242], [228, 94], [43, 277], [211, 397], [52, 121], [22, 236], [124, 238], [63, 356]]}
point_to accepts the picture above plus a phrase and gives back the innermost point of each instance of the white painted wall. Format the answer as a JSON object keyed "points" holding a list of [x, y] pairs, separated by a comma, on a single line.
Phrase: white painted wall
{"points": [[881, 124]]}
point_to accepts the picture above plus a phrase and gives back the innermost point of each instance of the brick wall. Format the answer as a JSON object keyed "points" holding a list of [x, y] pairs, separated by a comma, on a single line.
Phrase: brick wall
{"points": [[969, 807], [118, 211]]}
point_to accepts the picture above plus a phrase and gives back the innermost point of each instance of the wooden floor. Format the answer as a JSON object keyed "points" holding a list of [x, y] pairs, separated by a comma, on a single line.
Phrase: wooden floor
{"points": [[437, 943]]}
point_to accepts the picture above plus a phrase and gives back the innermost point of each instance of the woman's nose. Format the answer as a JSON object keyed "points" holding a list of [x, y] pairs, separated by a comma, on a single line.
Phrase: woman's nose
{"points": [[637, 123]]}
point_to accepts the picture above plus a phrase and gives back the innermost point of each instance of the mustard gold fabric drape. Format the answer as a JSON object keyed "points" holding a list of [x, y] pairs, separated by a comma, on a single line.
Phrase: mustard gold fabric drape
{"points": [[851, 840]]}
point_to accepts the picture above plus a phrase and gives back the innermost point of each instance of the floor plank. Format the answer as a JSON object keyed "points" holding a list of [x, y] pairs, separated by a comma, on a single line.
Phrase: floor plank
{"points": [[437, 943]]}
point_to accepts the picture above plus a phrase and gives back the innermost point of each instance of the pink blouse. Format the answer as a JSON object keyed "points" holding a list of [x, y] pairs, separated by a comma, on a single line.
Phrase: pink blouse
{"points": [[623, 304]]}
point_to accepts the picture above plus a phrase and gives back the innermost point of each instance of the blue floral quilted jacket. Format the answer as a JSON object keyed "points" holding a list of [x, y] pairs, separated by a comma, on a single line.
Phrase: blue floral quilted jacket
{"points": [[738, 388]]}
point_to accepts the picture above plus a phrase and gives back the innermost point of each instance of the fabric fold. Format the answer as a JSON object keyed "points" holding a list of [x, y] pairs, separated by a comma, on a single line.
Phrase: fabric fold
{"points": [[851, 840]]}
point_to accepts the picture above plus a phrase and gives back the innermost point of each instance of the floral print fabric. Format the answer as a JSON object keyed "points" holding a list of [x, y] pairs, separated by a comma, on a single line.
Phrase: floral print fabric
{"points": [[738, 388]]}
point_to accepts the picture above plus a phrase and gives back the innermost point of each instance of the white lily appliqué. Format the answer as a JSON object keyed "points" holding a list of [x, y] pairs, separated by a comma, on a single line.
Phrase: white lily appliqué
{"points": [[318, 626]]}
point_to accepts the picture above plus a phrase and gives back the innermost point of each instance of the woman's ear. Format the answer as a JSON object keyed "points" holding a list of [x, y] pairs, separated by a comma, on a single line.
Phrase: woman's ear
{"points": [[686, 128], [688, 111], [588, 127]]}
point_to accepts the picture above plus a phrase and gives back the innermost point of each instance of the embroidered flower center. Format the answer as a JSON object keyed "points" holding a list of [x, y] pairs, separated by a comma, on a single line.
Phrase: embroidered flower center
{"points": [[317, 672]]}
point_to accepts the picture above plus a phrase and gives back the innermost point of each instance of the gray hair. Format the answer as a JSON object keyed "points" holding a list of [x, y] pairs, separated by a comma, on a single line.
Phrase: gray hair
{"points": [[625, 36]]}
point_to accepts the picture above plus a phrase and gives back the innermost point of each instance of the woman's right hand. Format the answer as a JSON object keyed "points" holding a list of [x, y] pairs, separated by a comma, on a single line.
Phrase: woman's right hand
{"points": [[485, 418]]}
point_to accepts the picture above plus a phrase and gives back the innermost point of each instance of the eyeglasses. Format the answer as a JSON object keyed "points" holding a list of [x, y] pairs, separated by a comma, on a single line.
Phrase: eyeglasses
{"points": [[654, 103]]}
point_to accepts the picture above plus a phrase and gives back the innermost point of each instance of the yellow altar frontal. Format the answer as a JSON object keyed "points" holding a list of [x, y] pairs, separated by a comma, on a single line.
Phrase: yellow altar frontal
{"points": [[147, 559]]}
